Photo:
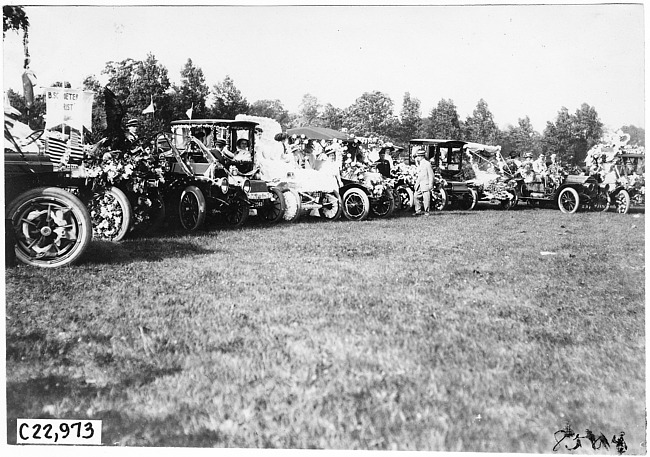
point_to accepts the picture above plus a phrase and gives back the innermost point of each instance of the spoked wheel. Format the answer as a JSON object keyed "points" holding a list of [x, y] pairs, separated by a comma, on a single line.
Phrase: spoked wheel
{"points": [[356, 204], [439, 199], [191, 208], [293, 205], [568, 200], [153, 217], [622, 201], [273, 210], [52, 227], [468, 201], [111, 214], [404, 198], [331, 206], [509, 203], [602, 202], [237, 211], [383, 206]]}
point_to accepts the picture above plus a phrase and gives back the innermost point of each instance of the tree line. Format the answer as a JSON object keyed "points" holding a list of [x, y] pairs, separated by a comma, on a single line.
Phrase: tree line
{"points": [[137, 82]]}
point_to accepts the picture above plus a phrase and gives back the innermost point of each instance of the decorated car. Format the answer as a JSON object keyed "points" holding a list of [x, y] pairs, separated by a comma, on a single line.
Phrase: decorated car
{"points": [[629, 189], [210, 172], [491, 174], [450, 187], [46, 225]]}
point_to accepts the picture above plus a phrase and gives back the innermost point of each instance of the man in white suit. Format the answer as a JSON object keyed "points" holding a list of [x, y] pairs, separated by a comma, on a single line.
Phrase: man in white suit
{"points": [[423, 184]]}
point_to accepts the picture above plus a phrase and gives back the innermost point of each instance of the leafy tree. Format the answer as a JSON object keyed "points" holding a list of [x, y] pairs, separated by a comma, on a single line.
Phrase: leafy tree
{"points": [[134, 83], [228, 100], [522, 138], [410, 119], [371, 114], [571, 136], [480, 126], [332, 117], [558, 136], [443, 121], [272, 109], [14, 18], [35, 118], [309, 111], [588, 130], [193, 92], [637, 135]]}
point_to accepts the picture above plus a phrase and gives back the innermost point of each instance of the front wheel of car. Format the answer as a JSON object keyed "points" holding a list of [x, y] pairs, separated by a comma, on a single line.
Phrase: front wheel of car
{"points": [[237, 211], [51, 226], [273, 210], [622, 201], [191, 208], [468, 201], [356, 204], [404, 196], [602, 202], [568, 201], [384, 205], [111, 214], [439, 199], [331, 206], [293, 206], [510, 202]]}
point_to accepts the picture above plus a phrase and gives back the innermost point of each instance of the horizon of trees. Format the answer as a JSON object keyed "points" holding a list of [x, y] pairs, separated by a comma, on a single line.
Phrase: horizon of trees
{"points": [[373, 113]]}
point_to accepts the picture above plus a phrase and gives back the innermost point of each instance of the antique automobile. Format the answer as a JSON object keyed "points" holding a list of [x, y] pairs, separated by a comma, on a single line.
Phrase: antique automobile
{"points": [[363, 191], [557, 188], [446, 157], [203, 182], [628, 188], [45, 225], [403, 185], [491, 174]]}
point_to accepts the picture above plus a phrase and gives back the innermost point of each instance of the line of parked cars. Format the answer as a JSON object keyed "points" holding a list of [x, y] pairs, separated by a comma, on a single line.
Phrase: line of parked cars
{"points": [[53, 212]]}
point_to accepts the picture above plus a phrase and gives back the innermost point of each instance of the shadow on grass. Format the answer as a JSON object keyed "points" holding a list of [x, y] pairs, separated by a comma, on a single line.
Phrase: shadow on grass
{"points": [[35, 399], [149, 249]]}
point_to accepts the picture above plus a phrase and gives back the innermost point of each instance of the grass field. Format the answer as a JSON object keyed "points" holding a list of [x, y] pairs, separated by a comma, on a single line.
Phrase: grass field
{"points": [[462, 331]]}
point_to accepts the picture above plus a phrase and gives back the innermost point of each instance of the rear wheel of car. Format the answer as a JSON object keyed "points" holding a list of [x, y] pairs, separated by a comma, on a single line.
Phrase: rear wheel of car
{"points": [[510, 202], [111, 214], [384, 205], [568, 201], [468, 201], [273, 210], [51, 227], [439, 199], [331, 206], [155, 216], [404, 198], [191, 208], [622, 201], [293, 206], [356, 204]]}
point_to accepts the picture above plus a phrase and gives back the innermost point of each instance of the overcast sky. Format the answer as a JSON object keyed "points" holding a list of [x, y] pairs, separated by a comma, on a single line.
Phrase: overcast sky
{"points": [[521, 59]]}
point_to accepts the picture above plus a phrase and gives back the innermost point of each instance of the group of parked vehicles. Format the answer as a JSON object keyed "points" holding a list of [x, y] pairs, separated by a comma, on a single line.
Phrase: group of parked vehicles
{"points": [[53, 212]]}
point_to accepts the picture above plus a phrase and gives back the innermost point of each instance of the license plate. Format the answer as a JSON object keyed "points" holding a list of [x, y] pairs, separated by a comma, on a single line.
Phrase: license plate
{"points": [[259, 195]]}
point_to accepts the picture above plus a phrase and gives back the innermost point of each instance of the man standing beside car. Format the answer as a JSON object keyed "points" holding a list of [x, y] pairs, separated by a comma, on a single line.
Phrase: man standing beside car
{"points": [[423, 184]]}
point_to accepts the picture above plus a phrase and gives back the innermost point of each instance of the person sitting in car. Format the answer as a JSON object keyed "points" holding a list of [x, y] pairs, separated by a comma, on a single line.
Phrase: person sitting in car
{"points": [[526, 169], [243, 153], [384, 164]]}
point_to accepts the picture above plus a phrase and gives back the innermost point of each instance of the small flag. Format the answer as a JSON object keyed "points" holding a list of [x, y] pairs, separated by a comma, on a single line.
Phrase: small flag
{"points": [[189, 112], [150, 108]]}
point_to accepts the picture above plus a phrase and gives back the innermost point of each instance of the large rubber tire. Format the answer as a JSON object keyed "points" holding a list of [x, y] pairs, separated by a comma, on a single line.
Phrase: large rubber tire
{"points": [[622, 201], [383, 206], [237, 211], [356, 204], [293, 205], [468, 201], [568, 200], [332, 206], [191, 208], [439, 201], [509, 203], [116, 200], [273, 211], [51, 227], [157, 215], [405, 197]]}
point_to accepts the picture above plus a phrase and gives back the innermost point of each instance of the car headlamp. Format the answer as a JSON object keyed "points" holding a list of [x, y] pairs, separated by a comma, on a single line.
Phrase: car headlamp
{"points": [[223, 185], [246, 186]]}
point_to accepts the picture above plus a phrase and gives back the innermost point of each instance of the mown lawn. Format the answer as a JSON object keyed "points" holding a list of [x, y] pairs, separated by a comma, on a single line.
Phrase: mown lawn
{"points": [[463, 331]]}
